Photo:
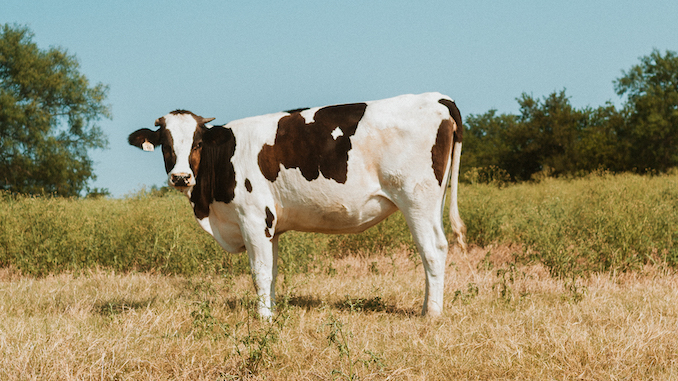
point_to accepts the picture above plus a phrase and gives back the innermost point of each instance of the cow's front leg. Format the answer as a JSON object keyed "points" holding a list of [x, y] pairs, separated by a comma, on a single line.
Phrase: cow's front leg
{"points": [[263, 256]]}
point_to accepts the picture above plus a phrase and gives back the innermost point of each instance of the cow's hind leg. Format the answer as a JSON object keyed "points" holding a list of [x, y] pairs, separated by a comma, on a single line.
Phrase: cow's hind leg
{"points": [[427, 230]]}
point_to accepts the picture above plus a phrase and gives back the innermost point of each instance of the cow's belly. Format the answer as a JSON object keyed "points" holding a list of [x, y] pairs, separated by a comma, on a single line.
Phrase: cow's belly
{"points": [[336, 216]]}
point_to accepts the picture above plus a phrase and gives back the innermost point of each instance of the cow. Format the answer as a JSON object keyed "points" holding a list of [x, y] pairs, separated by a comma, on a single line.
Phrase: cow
{"points": [[333, 169]]}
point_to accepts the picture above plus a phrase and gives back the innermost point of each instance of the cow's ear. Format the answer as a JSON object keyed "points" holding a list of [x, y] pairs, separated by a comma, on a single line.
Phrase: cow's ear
{"points": [[207, 120], [145, 139]]}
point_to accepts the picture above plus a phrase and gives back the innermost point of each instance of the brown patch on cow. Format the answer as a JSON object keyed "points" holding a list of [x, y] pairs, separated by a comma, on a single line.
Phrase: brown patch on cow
{"points": [[196, 149], [168, 150], [449, 132], [269, 218], [269, 222], [311, 147], [215, 179], [138, 137], [141, 136], [158, 137], [248, 185], [440, 153]]}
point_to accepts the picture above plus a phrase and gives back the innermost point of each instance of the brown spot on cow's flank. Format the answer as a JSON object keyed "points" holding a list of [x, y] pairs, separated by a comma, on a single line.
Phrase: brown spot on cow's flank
{"points": [[268, 234], [248, 185], [269, 218], [440, 153], [318, 147]]}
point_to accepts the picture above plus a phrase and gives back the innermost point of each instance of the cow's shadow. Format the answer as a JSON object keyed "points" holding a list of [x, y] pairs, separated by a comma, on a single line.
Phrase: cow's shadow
{"points": [[375, 304], [118, 306], [357, 304]]}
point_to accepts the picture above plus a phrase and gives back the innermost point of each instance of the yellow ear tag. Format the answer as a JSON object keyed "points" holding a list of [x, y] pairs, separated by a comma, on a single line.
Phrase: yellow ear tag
{"points": [[147, 146]]}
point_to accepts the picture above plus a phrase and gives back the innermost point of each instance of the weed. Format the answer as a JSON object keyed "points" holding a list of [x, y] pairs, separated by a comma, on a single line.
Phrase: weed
{"points": [[415, 258], [253, 339], [373, 268], [340, 338], [203, 320], [394, 268], [467, 296], [255, 345], [576, 291], [331, 271], [506, 279], [485, 264]]}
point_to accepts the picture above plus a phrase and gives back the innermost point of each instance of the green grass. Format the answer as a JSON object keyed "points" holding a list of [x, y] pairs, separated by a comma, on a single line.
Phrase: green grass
{"points": [[145, 232], [598, 223]]}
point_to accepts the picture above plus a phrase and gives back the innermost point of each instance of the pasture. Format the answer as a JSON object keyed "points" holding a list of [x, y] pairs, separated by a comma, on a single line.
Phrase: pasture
{"points": [[565, 279]]}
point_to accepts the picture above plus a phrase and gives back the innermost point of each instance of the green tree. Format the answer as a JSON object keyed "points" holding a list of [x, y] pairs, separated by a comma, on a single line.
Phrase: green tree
{"points": [[48, 116], [598, 145], [485, 141], [545, 136], [651, 112], [549, 134]]}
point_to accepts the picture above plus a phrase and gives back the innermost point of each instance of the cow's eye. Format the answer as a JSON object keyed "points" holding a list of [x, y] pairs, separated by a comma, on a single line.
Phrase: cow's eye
{"points": [[198, 145]]}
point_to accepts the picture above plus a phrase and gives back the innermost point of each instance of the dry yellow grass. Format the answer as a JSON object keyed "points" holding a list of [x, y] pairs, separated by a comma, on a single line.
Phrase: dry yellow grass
{"points": [[358, 321]]}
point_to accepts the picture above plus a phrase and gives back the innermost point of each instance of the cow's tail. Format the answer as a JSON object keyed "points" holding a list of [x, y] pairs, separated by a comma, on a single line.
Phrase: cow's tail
{"points": [[458, 226]]}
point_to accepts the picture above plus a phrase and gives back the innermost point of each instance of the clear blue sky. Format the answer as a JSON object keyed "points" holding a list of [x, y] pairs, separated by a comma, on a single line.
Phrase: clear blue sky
{"points": [[232, 59]]}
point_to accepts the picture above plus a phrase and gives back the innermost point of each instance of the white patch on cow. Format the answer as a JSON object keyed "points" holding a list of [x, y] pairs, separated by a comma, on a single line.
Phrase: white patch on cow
{"points": [[182, 128], [148, 146], [205, 224], [337, 133], [309, 115]]}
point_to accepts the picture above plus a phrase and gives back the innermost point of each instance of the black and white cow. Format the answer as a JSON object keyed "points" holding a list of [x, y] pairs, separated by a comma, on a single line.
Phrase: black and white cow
{"points": [[334, 169]]}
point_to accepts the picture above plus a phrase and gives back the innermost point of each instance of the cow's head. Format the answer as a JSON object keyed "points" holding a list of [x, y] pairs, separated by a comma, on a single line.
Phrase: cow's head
{"points": [[180, 134]]}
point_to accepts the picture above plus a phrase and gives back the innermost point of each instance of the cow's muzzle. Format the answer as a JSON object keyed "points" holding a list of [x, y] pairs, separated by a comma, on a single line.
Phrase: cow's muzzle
{"points": [[181, 180]]}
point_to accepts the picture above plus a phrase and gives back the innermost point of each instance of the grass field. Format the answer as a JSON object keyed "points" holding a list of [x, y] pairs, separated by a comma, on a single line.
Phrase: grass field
{"points": [[360, 322], [566, 279]]}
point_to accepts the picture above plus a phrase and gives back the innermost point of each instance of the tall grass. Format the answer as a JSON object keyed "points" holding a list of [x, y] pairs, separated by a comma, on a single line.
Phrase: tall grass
{"points": [[40, 235], [598, 223], [151, 231]]}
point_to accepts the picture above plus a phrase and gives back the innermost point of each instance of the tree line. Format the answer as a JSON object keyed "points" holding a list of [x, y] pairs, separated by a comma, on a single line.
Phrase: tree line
{"points": [[550, 137]]}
